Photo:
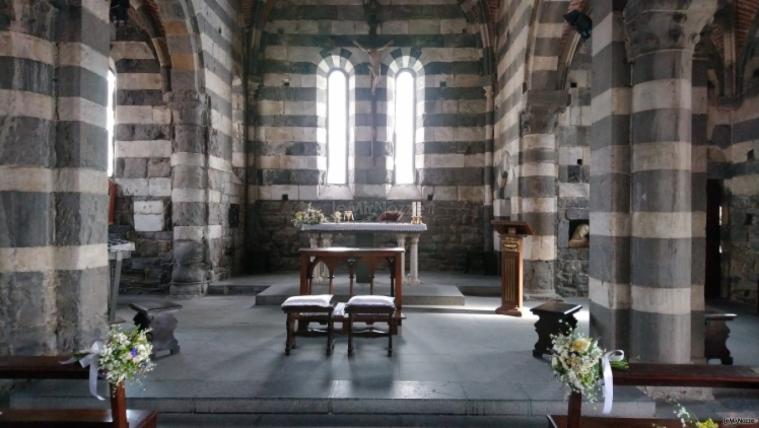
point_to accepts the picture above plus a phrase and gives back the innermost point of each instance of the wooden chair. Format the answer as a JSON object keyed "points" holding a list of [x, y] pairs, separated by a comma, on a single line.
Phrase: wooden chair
{"points": [[305, 309], [117, 416], [371, 309]]}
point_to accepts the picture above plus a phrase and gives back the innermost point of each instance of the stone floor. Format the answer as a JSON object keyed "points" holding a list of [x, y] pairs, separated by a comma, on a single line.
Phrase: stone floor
{"points": [[464, 367]]}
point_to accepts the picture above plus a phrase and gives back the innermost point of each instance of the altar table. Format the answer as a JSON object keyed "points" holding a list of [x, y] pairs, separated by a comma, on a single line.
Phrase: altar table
{"points": [[320, 235]]}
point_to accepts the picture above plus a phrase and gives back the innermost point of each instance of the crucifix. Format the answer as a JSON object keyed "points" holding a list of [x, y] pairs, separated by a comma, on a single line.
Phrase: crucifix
{"points": [[375, 69], [375, 61]]}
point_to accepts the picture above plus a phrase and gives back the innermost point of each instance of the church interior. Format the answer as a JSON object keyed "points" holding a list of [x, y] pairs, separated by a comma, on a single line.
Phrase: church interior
{"points": [[458, 177]]}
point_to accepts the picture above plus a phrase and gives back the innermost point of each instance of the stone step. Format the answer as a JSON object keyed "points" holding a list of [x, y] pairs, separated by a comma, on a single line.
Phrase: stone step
{"points": [[172, 420], [222, 289], [347, 405]]}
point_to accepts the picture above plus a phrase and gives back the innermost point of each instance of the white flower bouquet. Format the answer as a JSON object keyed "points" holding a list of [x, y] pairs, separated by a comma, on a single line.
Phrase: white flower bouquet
{"points": [[688, 419], [126, 355], [576, 362], [308, 216]]}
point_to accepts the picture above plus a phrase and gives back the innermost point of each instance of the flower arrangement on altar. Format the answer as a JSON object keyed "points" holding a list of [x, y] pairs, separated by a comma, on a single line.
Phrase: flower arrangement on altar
{"points": [[582, 365], [308, 216], [123, 357]]}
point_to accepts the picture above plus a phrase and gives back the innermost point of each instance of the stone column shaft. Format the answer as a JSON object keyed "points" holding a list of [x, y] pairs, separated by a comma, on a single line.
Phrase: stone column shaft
{"points": [[53, 186], [661, 49], [609, 267], [538, 172], [413, 276], [699, 143], [189, 195], [401, 239]]}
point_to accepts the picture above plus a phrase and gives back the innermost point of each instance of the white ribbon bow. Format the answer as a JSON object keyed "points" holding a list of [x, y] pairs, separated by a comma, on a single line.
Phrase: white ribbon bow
{"points": [[91, 359], [616, 355]]}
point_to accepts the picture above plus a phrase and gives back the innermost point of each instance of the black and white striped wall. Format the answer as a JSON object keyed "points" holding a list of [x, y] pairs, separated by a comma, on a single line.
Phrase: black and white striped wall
{"points": [[142, 155], [53, 191], [432, 37]]}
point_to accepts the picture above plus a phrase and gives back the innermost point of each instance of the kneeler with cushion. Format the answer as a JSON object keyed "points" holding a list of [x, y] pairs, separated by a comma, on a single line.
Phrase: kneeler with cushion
{"points": [[371, 309], [308, 308]]}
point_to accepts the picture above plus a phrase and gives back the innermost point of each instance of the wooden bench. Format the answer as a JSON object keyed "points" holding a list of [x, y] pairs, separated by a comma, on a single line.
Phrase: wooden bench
{"points": [[716, 333], [553, 318], [50, 368], [644, 374]]}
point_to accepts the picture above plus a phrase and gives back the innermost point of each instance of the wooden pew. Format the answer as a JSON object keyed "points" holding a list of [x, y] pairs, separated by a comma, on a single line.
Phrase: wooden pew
{"points": [[644, 374], [50, 368]]}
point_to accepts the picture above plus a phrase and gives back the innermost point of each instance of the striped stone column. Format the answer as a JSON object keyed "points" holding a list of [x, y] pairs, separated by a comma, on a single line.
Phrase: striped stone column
{"points": [[538, 172], [53, 203], [661, 42], [609, 267], [699, 160], [189, 194]]}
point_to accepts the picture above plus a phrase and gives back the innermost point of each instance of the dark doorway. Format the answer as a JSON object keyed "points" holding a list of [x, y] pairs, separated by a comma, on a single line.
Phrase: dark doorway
{"points": [[713, 255]]}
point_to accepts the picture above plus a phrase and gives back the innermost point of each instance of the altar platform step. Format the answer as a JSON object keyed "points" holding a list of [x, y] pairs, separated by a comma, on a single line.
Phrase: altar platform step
{"points": [[412, 295], [435, 289]]}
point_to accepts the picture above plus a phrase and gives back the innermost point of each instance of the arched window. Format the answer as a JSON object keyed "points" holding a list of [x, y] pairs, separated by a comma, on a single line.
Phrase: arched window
{"points": [[110, 118], [405, 126], [337, 127]]}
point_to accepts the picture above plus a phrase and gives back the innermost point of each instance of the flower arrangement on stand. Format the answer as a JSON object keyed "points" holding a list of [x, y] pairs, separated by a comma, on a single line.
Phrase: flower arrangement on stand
{"points": [[576, 362], [123, 357], [308, 216], [126, 356], [582, 365]]}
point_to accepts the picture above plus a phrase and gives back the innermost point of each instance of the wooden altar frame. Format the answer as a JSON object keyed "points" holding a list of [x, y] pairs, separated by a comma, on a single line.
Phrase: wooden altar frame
{"points": [[371, 257]]}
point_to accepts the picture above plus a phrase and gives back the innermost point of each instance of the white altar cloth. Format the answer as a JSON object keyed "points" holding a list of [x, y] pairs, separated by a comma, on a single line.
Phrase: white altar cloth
{"points": [[320, 235]]}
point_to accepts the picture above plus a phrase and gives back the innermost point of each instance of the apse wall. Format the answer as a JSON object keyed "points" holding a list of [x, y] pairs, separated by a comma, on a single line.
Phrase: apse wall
{"points": [[286, 173], [741, 243]]}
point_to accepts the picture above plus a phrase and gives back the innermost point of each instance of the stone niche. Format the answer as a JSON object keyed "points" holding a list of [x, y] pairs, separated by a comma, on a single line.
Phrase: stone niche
{"points": [[573, 255]]}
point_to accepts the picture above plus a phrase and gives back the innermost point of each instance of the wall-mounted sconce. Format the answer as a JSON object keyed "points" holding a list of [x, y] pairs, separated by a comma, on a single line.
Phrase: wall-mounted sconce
{"points": [[580, 22]]}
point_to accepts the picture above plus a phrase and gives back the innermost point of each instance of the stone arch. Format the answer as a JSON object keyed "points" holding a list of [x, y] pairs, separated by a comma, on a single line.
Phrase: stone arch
{"points": [[545, 44], [144, 15], [407, 59], [483, 13], [748, 65], [332, 60], [183, 43]]}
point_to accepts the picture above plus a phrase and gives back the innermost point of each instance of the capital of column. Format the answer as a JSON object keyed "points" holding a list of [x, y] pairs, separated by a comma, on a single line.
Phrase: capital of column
{"points": [[188, 107], [656, 25], [539, 114]]}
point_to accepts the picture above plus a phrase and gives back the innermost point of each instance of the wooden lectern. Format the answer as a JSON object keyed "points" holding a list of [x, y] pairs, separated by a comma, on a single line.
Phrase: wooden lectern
{"points": [[512, 266]]}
